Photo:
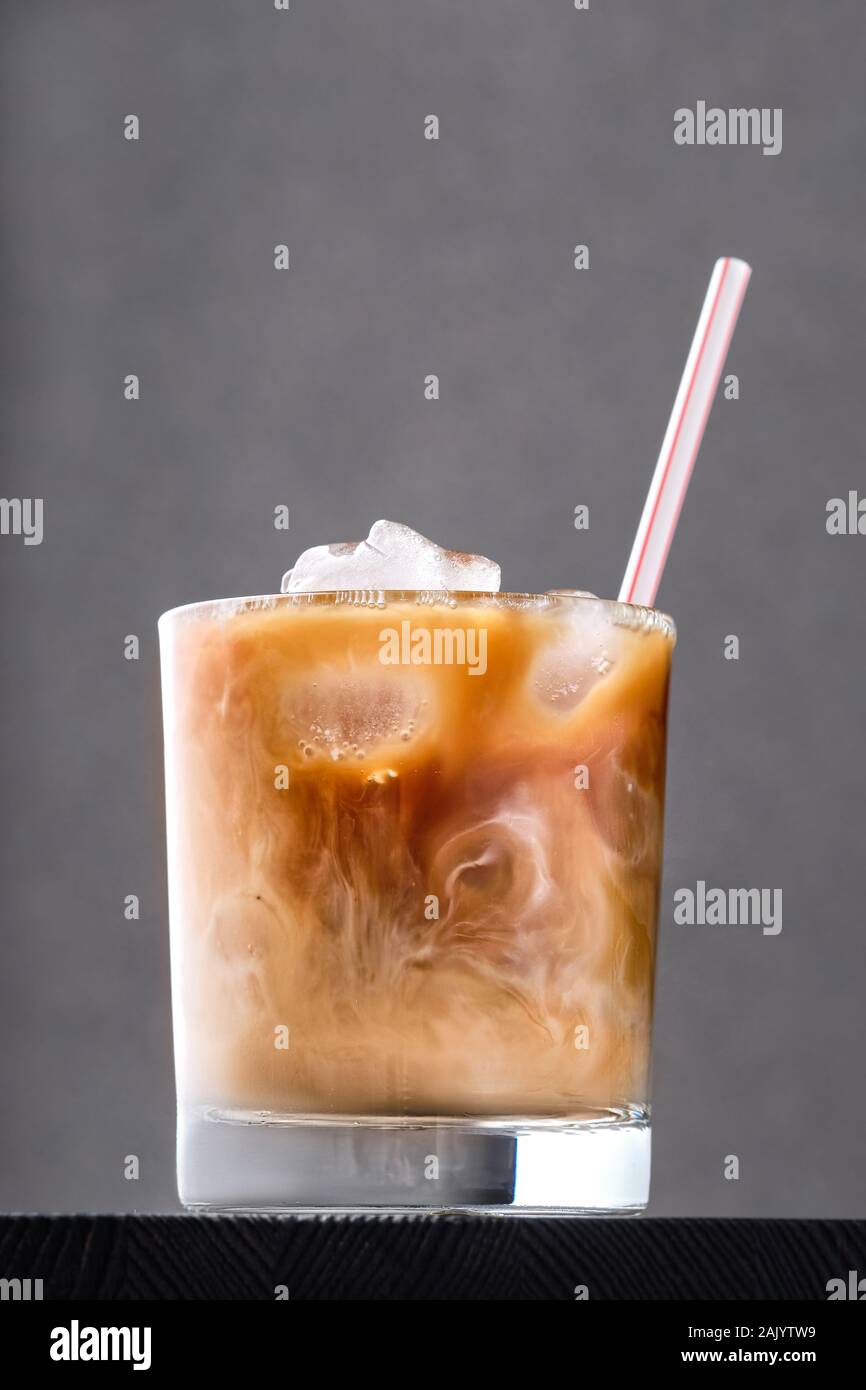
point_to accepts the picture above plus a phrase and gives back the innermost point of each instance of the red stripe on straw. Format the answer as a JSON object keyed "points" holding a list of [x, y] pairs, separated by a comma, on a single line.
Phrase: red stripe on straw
{"points": [[705, 417], [671, 452]]}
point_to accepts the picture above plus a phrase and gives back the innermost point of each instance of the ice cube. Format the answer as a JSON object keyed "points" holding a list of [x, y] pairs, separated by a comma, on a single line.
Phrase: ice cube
{"points": [[624, 797], [359, 717], [392, 557], [581, 650]]}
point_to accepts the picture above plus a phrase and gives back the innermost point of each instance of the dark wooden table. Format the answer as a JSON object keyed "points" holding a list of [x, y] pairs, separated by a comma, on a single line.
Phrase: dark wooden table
{"points": [[445, 1257]]}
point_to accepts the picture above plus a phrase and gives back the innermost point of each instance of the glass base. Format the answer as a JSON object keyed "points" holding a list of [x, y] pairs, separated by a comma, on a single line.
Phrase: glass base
{"points": [[232, 1160]]}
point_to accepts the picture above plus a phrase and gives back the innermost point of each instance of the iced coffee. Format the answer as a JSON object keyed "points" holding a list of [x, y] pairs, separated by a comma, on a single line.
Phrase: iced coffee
{"points": [[415, 838]]}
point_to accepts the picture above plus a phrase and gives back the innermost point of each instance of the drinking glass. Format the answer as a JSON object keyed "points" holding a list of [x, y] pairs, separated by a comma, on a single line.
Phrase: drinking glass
{"points": [[414, 850]]}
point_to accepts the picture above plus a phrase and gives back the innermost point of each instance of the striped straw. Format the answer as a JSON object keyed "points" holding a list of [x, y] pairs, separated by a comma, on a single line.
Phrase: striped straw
{"points": [[685, 431]]}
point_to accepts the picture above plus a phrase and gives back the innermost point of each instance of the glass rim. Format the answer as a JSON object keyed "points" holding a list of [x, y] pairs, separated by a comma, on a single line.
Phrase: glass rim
{"points": [[622, 614]]}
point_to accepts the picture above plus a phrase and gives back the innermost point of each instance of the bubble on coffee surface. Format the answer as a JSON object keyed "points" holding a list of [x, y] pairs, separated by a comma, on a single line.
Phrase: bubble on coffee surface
{"points": [[392, 557]]}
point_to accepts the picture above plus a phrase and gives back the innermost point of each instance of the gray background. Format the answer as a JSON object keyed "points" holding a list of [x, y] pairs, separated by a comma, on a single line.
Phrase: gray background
{"points": [[306, 388]]}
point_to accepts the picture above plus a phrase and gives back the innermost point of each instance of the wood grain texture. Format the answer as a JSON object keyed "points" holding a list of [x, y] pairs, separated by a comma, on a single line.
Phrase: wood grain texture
{"points": [[424, 1258]]}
